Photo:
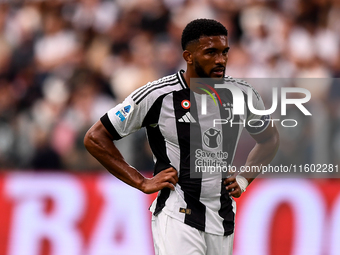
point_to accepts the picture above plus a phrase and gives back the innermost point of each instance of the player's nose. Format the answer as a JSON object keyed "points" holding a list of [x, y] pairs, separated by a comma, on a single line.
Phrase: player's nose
{"points": [[221, 59]]}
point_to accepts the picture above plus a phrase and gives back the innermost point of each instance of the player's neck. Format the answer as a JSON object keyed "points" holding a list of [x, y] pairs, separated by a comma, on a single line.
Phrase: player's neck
{"points": [[188, 74]]}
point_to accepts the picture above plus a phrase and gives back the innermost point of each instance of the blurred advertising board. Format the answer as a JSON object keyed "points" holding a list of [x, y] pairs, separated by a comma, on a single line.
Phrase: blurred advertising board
{"points": [[95, 214]]}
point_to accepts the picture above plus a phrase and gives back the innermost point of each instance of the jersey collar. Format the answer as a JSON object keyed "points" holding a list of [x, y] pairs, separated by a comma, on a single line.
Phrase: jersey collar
{"points": [[181, 79]]}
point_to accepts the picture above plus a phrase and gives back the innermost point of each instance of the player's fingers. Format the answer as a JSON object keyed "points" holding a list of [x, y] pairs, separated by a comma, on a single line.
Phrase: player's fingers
{"points": [[166, 173], [170, 169], [228, 180], [175, 177], [172, 174], [164, 178], [235, 193], [231, 185], [172, 180], [169, 185]]}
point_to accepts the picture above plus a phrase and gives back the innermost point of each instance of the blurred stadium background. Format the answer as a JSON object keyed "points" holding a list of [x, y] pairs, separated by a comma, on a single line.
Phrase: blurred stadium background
{"points": [[63, 64]]}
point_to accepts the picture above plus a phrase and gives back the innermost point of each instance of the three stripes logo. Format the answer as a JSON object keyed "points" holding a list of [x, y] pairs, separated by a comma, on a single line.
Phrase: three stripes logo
{"points": [[187, 118]]}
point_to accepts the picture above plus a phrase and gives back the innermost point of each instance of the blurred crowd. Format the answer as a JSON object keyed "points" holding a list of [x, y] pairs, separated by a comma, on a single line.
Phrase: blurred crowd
{"points": [[63, 64]]}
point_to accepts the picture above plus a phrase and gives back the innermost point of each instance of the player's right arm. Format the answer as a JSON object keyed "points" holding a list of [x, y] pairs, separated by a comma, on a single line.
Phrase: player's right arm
{"points": [[135, 112], [99, 142]]}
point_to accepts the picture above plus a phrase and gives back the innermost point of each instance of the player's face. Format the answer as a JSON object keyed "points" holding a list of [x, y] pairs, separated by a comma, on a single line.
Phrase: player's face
{"points": [[211, 56]]}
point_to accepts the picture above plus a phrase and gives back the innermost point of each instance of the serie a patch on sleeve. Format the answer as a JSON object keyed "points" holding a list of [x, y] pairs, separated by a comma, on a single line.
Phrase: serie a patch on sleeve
{"points": [[124, 112]]}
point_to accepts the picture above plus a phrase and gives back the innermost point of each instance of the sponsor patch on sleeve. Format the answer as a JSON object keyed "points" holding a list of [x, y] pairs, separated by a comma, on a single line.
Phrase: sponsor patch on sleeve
{"points": [[124, 112]]}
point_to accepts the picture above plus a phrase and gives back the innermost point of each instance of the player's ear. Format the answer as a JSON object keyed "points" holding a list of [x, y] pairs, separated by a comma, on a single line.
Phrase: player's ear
{"points": [[187, 55]]}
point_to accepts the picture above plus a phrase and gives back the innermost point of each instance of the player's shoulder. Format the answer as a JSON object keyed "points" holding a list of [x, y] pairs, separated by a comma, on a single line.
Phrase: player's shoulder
{"points": [[243, 85], [157, 88]]}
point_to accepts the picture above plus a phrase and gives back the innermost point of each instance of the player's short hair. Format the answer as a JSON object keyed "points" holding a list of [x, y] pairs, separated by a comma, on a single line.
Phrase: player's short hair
{"points": [[201, 27]]}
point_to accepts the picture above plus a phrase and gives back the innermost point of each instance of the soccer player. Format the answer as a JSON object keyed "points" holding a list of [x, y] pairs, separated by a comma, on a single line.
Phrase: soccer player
{"points": [[190, 215]]}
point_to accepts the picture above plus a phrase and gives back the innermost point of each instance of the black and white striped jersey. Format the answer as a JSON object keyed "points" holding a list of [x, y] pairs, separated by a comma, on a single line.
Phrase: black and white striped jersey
{"points": [[170, 112]]}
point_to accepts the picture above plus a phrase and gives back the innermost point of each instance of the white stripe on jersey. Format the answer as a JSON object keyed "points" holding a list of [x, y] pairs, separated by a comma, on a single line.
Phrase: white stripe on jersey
{"points": [[211, 182], [167, 120]]}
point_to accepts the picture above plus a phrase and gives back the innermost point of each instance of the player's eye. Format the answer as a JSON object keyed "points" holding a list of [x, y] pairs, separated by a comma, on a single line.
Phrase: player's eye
{"points": [[210, 52], [225, 52]]}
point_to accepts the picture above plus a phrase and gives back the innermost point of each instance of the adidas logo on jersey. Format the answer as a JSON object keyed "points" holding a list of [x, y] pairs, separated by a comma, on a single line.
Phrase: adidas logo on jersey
{"points": [[187, 118]]}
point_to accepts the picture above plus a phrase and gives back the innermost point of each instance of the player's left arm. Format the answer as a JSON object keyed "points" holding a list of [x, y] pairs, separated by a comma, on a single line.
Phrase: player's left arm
{"points": [[267, 144]]}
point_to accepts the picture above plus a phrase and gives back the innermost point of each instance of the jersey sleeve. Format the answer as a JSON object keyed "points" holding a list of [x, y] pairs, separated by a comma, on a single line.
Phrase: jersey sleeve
{"points": [[125, 118], [256, 124], [140, 108]]}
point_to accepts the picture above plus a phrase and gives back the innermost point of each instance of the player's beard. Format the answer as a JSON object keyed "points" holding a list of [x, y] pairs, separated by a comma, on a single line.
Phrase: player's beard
{"points": [[199, 70], [201, 73]]}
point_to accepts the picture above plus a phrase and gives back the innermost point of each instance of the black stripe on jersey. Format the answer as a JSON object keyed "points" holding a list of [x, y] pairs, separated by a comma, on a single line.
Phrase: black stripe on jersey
{"points": [[258, 126], [190, 186], [155, 88], [158, 147], [155, 137], [230, 135], [109, 127], [150, 85], [149, 88], [226, 211], [161, 199]]}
